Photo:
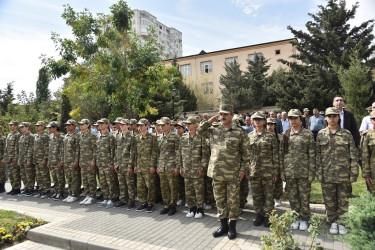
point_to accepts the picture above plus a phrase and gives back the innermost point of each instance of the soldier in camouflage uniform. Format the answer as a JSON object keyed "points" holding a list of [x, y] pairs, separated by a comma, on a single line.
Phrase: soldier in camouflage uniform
{"points": [[193, 160], [87, 153], [25, 158], [11, 158], [2, 163], [118, 134], [105, 156], [337, 167], [133, 126], [168, 166], [70, 161], [180, 130], [55, 157], [264, 168], [227, 166], [278, 189], [40, 159], [144, 162], [298, 169], [306, 118], [368, 155], [158, 196]]}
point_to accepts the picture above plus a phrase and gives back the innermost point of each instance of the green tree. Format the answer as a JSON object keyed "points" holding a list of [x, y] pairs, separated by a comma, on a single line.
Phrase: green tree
{"points": [[6, 97], [236, 89], [66, 107], [42, 91]]}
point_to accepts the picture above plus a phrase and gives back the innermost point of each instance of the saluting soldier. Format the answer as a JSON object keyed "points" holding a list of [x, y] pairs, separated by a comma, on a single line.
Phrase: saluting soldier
{"points": [[228, 163], [11, 158], [25, 158], [337, 167], [368, 155], [264, 168], [298, 169], [87, 155], [145, 162], [2, 163]]}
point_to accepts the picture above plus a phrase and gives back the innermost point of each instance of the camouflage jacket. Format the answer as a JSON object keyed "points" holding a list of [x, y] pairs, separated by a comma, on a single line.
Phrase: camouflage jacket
{"points": [[41, 142], [124, 151], [87, 147], [71, 148], [11, 146], [145, 152], [106, 145], [299, 158], [169, 154], [193, 157], [229, 151], [336, 156], [26, 147], [2, 147], [55, 148], [264, 154], [368, 154]]}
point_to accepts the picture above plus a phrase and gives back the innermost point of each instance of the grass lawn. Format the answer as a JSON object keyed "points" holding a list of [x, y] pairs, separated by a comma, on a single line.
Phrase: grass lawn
{"points": [[10, 218]]}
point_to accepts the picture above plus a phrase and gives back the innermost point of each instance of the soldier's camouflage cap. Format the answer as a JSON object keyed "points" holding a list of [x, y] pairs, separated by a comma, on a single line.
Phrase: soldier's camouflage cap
{"points": [[173, 123], [191, 119], [84, 121], [143, 121], [25, 124], [40, 123], [71, 122], [332, 111], [237, 119], [259, 115], [294, 113], [369, 108], [181, 124], [125, 122], [118, 120], [133, 121], [226, 109], [321, 113], [54, 124], [372, 115], [306, 110], [103, 120], [271, 120], [157, 122], [14, 122], [164, 120]]}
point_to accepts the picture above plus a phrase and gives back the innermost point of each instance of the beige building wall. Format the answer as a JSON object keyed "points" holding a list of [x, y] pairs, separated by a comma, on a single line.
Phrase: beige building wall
{"points": [[206, 84]]}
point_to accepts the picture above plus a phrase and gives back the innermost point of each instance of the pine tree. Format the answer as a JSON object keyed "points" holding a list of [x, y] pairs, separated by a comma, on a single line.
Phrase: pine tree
{"points": [[6, 97], [42, 91]]}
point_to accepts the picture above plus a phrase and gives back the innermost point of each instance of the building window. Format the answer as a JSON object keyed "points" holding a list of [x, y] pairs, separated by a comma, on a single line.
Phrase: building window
{"points": [[186, 70], [230, 60], [207, 87], [206, 67], [252, 56], [277, 52]]}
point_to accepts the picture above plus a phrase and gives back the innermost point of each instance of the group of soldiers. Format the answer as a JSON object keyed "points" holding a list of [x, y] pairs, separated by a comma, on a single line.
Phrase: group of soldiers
{"points": [[201, 162]]}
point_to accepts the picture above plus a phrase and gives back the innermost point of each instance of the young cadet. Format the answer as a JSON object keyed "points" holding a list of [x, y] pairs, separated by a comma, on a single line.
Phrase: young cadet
{"points": [[180, 130], [11, 158], [25, 158], [298, 169], [192, 149], [337, 167], [264, 168], [2, 163], [368, 155]]}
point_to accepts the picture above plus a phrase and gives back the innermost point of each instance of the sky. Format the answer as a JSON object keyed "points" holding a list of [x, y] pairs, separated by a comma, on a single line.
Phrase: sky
{"points": [[210, 25]]}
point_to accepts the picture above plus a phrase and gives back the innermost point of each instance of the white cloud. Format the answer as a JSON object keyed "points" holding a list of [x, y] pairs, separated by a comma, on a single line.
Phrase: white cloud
{"points": [[248, 6]]}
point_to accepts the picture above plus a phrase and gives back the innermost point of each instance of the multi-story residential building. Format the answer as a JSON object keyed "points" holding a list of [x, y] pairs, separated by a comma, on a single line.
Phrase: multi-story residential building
{"points": [[201, 72], [170, 38]]}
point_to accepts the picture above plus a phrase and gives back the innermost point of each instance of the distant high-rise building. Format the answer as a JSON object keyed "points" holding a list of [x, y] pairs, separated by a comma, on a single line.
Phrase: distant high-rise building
{"points": [[170, 38]]}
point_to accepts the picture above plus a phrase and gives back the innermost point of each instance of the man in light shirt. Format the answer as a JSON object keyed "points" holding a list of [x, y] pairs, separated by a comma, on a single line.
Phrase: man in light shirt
{"points": [[366, 123]]}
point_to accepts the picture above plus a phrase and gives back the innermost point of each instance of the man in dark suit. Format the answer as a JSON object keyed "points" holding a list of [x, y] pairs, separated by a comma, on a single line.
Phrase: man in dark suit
{"points": [[347, 119]]}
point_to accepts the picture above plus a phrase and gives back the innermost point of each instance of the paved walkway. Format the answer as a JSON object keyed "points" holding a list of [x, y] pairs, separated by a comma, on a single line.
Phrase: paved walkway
{"points": [[74, 226]]}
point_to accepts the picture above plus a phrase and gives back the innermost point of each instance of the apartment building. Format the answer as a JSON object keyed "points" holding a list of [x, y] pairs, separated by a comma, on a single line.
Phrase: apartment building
{"points": [[169, 37], [201, 72]]}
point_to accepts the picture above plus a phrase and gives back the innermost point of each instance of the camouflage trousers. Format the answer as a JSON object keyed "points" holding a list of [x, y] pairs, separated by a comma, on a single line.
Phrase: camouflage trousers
{"points": [[157, 186], [107, 180], [146, 187], [244, 192], [194, 192], [73, 176], [262, 191], [58, 177], [169, 184], [126, 185], [278, 190], [88, 176], [181, 187], [227, 196], [299, 197], [14, 174], [116, 184], [28, 175], [42, 177], [2, 174], [335, 199], [209, 192]]}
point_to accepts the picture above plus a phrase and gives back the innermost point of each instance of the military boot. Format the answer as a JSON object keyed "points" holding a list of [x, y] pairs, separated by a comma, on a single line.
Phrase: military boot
{"points": [[2, 187], [223, 229], [232, 234]]}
